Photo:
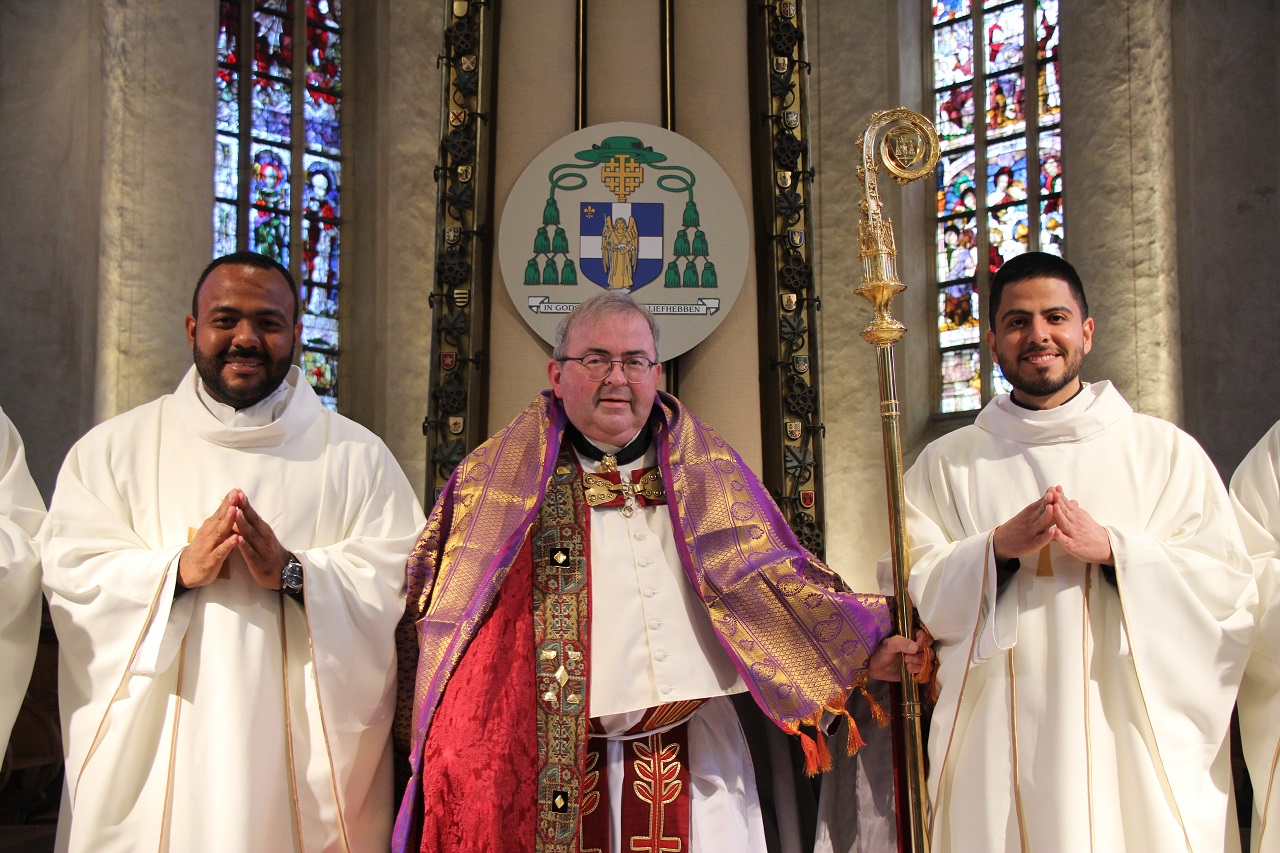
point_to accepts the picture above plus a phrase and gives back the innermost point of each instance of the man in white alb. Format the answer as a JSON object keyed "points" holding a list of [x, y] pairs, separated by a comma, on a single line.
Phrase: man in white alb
{"points": [[1081, 571], [225, 570], [21, 511], [1255, 493]]}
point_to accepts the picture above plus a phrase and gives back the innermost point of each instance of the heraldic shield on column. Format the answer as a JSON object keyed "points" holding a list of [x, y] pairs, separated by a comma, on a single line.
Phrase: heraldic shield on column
{"points": [[630, 207]]}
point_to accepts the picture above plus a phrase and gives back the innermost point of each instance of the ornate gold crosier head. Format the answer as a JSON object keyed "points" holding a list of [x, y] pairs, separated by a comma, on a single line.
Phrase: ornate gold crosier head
{"points": [[908, 149]]}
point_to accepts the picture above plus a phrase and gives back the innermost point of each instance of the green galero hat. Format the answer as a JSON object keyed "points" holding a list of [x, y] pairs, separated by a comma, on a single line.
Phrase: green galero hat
{"points": [[615, 145]]}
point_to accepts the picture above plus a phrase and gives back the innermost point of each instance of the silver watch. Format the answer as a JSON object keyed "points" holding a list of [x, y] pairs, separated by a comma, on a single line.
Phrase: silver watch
{"points": [[291, 576]]}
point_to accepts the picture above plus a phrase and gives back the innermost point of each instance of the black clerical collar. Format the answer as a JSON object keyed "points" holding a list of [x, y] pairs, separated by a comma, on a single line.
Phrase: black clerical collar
{"points": [[625, 455], [1022, 405]]}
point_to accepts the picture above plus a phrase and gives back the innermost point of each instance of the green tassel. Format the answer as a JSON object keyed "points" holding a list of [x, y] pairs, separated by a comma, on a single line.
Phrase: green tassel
{"points": [[550, 275], [541, 245], [690, 214], [682, 245], [531, 272], [709, 275], [699, 244], [551, 213], [673, 275], [690, 274], [568, 275], [560, 243]]}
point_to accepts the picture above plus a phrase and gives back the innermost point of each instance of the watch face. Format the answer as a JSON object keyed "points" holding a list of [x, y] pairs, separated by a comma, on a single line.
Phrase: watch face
{"points": [[291, 575]]}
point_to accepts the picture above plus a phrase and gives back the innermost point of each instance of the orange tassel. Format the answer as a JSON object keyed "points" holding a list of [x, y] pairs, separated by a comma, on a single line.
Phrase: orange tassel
{"points": [[811, 758], [877, 712], [855, 738]]}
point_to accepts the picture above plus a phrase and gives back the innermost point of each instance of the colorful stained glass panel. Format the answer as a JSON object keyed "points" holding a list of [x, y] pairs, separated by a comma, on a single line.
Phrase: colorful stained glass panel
{"points": [[321, 195], [1006, 172], [269, 234], [320, 301], [961, 380], [1053, 232], [1050, 163], [320, 111], [328, 12], [958, 321], [319, 332], [321, 248], [224, 228], [1050, 94], [952, 54], [269, 186], [324, 59], [955, 116], [1006, 107], [957, 189], [957, 248], [273, 45], [1007, 234], [1004, 38], [226, 167], [228, 32], [1047, 28], [999, 385], [227, 83], [321, 370], [945, 10], [271, 109]]}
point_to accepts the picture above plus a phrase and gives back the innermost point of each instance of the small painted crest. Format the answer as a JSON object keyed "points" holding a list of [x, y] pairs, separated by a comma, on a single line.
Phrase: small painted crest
{"points": [[457, 117], [448, 360], [456, 423], [464, 174], [453, 235], [906, 146], [789, 302], [461, 297], [807, 498], [781, 65], [794, 430], [787, 8], [468, 62], [784, 179], [800, 363], [795, 237], [791, 118]]}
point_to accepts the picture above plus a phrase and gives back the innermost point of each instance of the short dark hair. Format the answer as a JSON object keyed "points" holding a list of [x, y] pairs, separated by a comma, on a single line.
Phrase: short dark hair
{"points": [[249, 259], [1034, 265], [602, 305]]}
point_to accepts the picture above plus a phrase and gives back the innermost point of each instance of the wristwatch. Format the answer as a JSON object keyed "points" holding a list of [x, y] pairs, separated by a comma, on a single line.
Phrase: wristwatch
{"points": [[291, 576]]}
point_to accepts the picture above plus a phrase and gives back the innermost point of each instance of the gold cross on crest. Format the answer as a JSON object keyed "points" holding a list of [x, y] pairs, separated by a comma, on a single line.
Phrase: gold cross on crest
{"points": [[621, 175]]}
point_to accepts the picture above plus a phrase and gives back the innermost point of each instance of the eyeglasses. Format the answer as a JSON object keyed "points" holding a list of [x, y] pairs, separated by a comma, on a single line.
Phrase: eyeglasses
{"points": [[635, 367]]}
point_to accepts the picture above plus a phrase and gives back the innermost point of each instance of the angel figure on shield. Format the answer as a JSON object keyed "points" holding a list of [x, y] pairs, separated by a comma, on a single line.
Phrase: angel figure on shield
{"points": [[620, 250]]}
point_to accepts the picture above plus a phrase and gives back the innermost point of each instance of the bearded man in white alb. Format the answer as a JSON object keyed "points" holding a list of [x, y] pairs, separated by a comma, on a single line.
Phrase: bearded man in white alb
{"points": [[1255, 493], [1081, 570], [21, 511], [225, 570]]}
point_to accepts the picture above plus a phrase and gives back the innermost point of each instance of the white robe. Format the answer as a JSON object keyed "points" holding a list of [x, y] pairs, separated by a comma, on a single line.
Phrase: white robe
{"points": [[1116, 735], [661, 647], [1255, 493], [21, 511], [229, 718]]}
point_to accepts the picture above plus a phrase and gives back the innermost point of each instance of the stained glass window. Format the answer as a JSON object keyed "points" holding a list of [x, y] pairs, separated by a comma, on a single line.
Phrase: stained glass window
{"points": [[992, 205], [278, 157]]}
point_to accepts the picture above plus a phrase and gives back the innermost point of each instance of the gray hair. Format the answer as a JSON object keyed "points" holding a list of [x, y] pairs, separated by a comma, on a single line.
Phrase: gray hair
{"points": [[598, 307]]}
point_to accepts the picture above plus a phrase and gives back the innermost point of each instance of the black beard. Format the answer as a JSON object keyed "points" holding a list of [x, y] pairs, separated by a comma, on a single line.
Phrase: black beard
{"points": [[241, 396], [1043, 386]]}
